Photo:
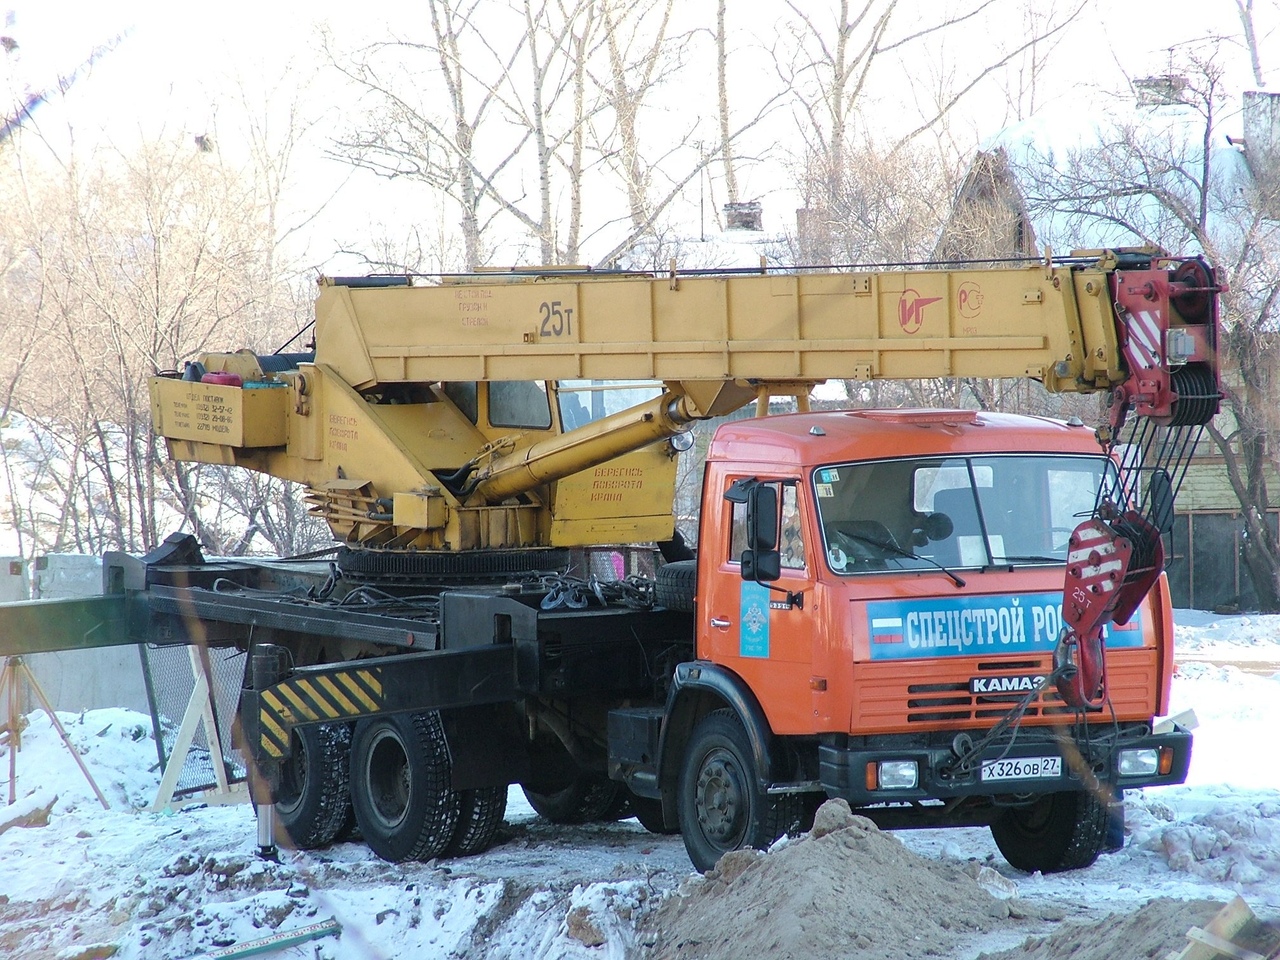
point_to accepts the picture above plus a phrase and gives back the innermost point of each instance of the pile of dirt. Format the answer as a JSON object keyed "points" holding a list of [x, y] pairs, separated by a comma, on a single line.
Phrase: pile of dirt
{"points": [[1157, 930], [846, 890]]}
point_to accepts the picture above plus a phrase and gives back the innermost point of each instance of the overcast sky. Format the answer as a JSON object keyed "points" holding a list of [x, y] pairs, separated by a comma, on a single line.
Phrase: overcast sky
{"points": [[171, 63]]}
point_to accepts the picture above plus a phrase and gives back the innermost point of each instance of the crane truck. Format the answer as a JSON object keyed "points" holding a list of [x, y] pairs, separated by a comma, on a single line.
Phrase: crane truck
{"points": [[945, 617]]}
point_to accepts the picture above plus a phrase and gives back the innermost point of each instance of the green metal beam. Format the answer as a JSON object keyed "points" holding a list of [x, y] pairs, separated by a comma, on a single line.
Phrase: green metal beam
{"points": [[82, 623]]}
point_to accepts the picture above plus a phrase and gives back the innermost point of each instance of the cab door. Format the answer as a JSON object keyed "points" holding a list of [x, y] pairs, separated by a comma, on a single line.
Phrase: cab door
{"points": [[753, 628]]}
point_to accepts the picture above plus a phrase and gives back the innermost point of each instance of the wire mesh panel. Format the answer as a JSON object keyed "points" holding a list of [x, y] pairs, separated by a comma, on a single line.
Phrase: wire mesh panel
{"points": [[170, 680], [613, 563]]}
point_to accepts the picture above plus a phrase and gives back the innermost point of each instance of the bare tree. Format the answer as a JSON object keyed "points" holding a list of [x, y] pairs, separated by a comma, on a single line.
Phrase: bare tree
{"points": [[491, 108], [1250, 34], [833, 55], [722, 101], [880, 205], [125, 262], [529, 118]]}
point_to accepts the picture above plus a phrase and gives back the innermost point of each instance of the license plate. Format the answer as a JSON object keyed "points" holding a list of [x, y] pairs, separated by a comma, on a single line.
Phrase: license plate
{"points": [[1022, 768]]}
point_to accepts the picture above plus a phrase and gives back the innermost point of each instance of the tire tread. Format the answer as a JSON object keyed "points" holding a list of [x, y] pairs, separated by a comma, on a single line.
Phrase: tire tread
{"points": [[328, 750], [480, 814], [677, 585]]}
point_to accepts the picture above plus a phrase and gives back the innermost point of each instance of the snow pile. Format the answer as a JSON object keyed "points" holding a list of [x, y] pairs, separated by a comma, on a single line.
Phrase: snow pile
{"points": [[1236, 841], [115, 744], [137, 885], [846, 890], [1197, 631], [1232, 707], [147, 886]]}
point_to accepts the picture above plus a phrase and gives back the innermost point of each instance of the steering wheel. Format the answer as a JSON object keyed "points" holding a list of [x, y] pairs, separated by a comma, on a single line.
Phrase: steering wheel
{"points": [[859, 548]]}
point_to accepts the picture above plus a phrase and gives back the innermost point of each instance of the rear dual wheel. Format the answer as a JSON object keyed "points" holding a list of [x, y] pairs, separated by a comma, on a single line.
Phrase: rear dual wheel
{"points": [[313, 805], [401, 794], [400, 789], [388, 781]]}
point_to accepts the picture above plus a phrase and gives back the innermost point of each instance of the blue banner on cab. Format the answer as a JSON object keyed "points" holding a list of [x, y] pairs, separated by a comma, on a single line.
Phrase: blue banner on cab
{"points": [[975, 626]]}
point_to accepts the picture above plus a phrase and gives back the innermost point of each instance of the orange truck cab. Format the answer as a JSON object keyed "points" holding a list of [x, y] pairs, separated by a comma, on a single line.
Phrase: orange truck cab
{"points": [[878, 601]]}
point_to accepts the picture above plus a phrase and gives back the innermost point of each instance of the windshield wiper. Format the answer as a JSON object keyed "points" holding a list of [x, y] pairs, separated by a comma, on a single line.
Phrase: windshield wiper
{"points": [[894, 548], [1029, 558]]}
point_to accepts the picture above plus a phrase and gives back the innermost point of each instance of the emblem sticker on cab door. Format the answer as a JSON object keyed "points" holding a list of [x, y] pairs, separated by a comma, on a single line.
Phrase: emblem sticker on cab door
{"points": [[753, 634]]}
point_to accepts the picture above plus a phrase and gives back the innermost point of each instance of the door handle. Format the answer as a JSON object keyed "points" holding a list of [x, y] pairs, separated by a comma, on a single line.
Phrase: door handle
{"points": [[719, 622]]}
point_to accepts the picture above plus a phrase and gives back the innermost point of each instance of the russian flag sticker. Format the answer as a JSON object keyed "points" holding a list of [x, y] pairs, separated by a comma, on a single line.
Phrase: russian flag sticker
{"points": [[886, 630]]}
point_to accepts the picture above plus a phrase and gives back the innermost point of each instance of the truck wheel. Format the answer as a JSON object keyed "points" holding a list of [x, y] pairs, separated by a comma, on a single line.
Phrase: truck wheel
{"points": [[588, 798], [648, 810], [400, 786], [480, 813], [676, 585], [312, 801], [720, 803], [1060, 831]]}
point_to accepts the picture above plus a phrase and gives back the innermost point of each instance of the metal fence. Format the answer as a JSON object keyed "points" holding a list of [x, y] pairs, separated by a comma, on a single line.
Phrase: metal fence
{"points": [[1206, 565], [170, 680]]}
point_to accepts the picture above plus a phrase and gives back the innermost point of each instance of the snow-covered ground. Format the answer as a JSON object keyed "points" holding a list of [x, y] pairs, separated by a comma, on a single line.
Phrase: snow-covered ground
{"points": [[132, 884]]}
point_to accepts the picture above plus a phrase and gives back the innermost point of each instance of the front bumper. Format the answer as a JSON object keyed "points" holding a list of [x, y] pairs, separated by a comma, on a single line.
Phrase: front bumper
{"points": [[1085, 764]]}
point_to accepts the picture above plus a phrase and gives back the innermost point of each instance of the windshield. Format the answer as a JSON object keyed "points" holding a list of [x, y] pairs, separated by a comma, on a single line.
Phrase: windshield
{"points": [[953, 511]]}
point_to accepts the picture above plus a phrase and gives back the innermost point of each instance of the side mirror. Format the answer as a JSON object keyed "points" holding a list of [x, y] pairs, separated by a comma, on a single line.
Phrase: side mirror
{"points": [[762, 518], [761, 566], [761, 561]]}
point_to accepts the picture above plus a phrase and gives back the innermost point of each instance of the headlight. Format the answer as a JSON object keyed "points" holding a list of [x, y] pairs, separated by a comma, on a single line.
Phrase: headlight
{"points": [[898, 774], [681, 442], [1138, 763]]}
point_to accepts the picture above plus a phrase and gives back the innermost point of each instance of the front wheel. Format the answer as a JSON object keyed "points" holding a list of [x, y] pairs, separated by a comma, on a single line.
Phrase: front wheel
{"points": [[1059, 831], [720, 803], [400, 791]]}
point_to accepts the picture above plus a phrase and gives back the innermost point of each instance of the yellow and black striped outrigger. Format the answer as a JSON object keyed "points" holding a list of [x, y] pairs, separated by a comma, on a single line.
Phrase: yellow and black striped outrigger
{"points": [[336, 696], [414, 682]]}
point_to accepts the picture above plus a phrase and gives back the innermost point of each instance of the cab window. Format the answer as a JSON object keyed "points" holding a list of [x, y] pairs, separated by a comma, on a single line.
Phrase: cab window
{"points": [[519, 403], [791, 534], [463, 395]]}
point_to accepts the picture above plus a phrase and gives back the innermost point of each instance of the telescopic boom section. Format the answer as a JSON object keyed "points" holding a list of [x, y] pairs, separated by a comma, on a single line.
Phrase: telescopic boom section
{"points": [[374, 425]]}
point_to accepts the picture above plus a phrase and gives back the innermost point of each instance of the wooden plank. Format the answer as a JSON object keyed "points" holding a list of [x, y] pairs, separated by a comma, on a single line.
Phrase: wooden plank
{"points": [[1225, 947], [277, 941], [1222, 929]]}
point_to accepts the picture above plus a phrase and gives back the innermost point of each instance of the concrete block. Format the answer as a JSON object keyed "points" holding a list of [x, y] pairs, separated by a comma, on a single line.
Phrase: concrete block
{"points": [[13, 579], [84, 679]]}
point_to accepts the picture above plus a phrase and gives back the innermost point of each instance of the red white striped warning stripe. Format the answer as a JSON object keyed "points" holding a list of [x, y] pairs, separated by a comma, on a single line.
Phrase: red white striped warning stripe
{"points": [[1104, 547], [1144, 339]]}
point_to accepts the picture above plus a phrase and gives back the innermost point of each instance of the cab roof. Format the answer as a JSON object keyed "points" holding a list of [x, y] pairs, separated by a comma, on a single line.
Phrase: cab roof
{"points": [[842, 435]]}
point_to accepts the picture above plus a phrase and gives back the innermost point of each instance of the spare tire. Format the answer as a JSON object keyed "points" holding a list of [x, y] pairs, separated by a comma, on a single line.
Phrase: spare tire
{"points": [[677, 585]]}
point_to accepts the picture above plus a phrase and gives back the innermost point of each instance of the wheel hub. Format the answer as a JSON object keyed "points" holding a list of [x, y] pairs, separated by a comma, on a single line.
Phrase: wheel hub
{"points": [[387, 775], [293, 774], [720, 799]]}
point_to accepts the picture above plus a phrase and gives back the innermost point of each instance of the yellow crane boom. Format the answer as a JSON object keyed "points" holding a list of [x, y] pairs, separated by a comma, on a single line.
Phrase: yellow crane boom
{"points": [[417, 423]]}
